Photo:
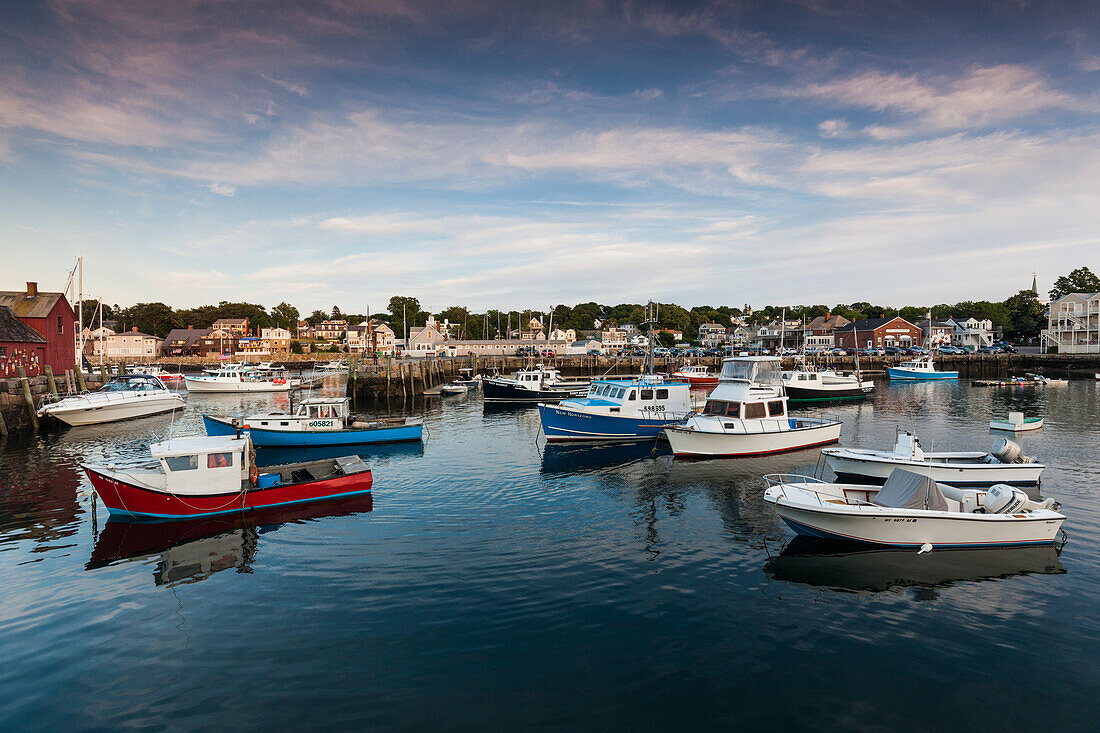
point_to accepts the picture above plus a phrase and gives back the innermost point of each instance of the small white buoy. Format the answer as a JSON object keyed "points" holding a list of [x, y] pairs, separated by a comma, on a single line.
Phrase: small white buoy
{"points": [[926, 547]]}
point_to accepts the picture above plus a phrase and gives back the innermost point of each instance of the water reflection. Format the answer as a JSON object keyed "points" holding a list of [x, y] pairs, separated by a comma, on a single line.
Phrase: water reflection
{"points": [[859, 568], [279, 456], [573, 459], [187, 552]]}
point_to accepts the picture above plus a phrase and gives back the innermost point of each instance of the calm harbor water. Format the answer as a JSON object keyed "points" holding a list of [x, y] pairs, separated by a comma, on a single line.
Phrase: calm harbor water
{"points": [[492, 581]]}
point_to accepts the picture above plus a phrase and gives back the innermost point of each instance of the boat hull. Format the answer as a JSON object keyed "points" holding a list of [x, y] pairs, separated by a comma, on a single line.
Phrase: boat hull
{"points": [[97, 413], [197, 384], [1016, 427], [262, 438], [916, 528], [698, 444], [915, 375], [803, 394], [859, 470], [562, 425], [126, 499]]}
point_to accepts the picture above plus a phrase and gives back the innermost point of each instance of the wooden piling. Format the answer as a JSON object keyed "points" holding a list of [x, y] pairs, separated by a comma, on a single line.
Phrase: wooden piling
{"points": [[80, 378], [28, 397], [53, 384], [3, 427]]}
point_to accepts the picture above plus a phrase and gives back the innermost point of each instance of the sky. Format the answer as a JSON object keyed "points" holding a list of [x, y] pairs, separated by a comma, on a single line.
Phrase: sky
{"points": [[519, 155]]}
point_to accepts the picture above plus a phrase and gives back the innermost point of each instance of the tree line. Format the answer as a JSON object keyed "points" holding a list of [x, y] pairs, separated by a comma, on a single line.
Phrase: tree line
{"points": [[1021, 316]]}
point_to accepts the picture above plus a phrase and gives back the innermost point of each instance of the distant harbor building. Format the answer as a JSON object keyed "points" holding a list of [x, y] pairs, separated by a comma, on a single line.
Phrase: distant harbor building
{"points": [[331, 330], [1073, 324], [568, 335], [820, 332], [877, 333], [232, 326], [940, 334], [372, 337], [425, 340], [712, 335], [277, 339], [971, 333], [132, 344], [496, 347]]}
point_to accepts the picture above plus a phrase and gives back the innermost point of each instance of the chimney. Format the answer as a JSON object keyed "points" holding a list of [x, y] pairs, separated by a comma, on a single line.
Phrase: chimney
{"points": [[189, 328], [32, 290], [133, 329]]}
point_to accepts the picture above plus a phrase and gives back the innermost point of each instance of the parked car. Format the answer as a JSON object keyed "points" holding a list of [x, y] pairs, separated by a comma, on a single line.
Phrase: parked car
{"points": [[893, 351], [989, 350], [949, 349], [594, 352]]}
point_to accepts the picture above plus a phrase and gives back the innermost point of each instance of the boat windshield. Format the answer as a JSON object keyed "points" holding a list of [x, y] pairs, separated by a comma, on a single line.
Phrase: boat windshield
{"points": [[756, 371], [129, 385]]}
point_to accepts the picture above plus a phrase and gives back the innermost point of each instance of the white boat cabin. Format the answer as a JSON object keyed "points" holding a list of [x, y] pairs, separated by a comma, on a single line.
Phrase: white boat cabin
{"points": [[315, 413], [749, 397], [203, 465], [645, 396]]}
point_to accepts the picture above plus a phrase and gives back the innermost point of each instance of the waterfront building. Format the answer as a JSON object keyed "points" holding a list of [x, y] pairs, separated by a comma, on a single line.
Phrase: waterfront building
{"points": [[568, 335], [583, 346], [277, 340], [233, 326], [425, 340], [331, 330], [877, 333], [941, 332], [372, 337], [20, 346], [132, 344], [94, 340], [712, 335], [51, 317], [971, 333], [495, 347], [1073, 324], [184, 341], [819, 333], [613, 338]]}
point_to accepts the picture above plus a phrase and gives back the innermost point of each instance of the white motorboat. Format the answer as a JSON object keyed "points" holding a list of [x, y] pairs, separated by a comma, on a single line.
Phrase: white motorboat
{"points": [[1029, 377], [232, 366], [922, 369], [913, 510], [153, 370], [237, 380], [453, 388], [1017, 423], [746, 415], [332, 366], [122, 398], [1004, 464]]}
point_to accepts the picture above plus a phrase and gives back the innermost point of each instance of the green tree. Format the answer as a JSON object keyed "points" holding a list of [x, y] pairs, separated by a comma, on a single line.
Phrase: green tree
{"points": [[316, 317], [155, 319], [285, 315], [1081, 280], [1027, 316]]}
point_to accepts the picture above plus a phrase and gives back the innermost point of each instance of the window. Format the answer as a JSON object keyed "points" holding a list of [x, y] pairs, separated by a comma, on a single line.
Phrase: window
{"points": [[4, 352], [733, 409], [219, 460], [715, 407], [775, 409], [182, 463], [60, 325], [633, 395], [647, 394], [754, 410], [662, 394]]}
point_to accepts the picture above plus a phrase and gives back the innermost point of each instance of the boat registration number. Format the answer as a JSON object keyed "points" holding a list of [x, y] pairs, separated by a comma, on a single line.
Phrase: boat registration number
{"points": [[322, 423], [653, 408]]}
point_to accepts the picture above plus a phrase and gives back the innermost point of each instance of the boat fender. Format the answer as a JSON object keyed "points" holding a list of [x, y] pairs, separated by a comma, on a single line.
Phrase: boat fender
{"points": [[926, 547]]}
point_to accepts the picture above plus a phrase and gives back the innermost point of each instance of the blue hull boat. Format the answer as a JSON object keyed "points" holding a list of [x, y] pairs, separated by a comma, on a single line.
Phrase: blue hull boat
{"points": [[561, 424], [380, 432]]}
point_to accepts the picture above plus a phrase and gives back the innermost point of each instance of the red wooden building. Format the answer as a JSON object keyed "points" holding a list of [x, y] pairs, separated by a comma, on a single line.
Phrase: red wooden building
{"points": [[20, 346], [878, 332], [51, 316]]}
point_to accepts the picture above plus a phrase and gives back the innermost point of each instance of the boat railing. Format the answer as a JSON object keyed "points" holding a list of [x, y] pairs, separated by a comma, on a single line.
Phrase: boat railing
{"points": [[781, 480]]}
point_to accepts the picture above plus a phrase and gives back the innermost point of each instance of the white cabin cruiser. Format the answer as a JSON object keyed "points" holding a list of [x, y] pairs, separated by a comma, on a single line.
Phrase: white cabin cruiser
{"points": [[123, 398], [746, 415], [913, 510], [1004, 464], [237, 380]]}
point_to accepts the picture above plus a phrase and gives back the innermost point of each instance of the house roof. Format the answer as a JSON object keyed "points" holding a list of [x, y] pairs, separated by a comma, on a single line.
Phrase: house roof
{"points": [[23, 307], [185, 337], [232, 321], [13, 329], [870, 324], [833, 321]]}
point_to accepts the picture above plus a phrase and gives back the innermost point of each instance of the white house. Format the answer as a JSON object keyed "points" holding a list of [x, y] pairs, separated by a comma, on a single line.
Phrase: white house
{"points": [[971, 333], [568, 335], [426, 340], [131, 344], [584, 346], [613, 338], [1073, 324], [372, 336]]}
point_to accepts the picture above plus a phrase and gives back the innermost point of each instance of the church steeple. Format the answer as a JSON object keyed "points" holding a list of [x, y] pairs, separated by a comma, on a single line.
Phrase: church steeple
{"points": [[1034, 284]]}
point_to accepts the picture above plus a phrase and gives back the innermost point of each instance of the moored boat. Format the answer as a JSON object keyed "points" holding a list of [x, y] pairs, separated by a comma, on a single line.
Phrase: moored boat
{"points": [[1016, 423], [746, 415], [202, 476], [122, 398], [913, 510], [454, 388], [618, 409], [696, 375], [237, 380], [318, 421], [919, 369], [538, 384], [812, 385], [1005, 463]]}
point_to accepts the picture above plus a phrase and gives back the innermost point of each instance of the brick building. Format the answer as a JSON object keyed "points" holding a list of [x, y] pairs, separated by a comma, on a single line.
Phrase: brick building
{"points": [[878, 332]]}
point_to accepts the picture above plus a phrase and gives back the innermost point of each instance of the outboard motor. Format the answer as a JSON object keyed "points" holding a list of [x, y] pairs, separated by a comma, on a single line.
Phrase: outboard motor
{"points": [[1004, 499], [1006, 451]]}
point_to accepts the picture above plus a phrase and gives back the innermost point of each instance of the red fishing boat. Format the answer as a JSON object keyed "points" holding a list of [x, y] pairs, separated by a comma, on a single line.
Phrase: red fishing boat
{"points": [[696, 375], [203, 476]]}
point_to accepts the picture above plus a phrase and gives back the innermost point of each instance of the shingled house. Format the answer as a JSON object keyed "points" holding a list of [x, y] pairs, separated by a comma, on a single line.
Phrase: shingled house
{"points": [[20, 345], [49, 315]]}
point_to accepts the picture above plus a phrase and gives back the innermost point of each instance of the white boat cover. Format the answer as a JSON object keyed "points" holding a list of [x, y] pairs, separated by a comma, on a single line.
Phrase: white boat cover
{"points": [[908, 490]]}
